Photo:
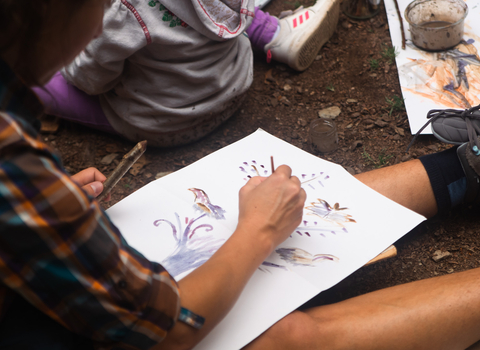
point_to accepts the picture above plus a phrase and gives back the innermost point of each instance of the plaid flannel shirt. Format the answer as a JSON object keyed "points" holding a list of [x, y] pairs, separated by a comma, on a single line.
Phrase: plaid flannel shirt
{"points": [[59, 250]]}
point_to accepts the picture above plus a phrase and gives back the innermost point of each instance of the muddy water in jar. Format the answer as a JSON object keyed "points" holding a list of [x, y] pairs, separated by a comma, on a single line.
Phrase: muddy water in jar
{"points": [[323, 136], [436, 25]]}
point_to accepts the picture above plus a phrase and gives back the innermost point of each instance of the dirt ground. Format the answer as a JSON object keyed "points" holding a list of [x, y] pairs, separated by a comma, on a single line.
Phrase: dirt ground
{"points": [[353, 71]]}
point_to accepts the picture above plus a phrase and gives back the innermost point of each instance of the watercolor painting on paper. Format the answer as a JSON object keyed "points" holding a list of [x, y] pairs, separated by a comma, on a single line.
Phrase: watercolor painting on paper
{"points": [[181, 219], [447, 79]]}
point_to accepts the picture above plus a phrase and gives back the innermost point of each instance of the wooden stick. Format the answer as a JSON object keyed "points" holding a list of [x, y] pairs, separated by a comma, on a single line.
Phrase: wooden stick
{"points": [[271, 163], [125, 164], [390, 252], [401, 24]]}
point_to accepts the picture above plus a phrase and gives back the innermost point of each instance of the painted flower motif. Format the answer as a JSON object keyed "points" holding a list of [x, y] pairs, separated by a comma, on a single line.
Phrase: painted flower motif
{"points": [[333, 214], [300, 257], [254, 168], [192, 249], [202, 203]]}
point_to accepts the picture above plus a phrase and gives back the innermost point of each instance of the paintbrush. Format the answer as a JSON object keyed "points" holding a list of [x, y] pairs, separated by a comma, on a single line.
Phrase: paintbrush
{"points": [[125, 164]]}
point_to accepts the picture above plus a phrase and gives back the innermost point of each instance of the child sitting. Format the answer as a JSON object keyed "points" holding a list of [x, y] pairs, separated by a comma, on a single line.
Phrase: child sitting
{"points": [[171, 71]]}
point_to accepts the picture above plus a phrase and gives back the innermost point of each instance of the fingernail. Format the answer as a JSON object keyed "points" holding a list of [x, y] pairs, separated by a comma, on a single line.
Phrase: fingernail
{"points": [[97, 187]]}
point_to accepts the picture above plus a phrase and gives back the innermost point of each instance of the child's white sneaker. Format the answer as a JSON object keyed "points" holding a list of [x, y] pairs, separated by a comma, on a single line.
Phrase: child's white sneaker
{"points": [[303, 33]]}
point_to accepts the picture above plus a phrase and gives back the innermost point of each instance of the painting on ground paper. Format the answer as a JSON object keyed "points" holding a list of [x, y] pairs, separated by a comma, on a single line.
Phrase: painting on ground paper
{"points": [[447, 79], [181, 219]]}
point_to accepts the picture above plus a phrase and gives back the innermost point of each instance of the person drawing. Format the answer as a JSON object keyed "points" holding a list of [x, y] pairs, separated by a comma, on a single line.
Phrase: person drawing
{"points": [[171, 71], [70, 281]]}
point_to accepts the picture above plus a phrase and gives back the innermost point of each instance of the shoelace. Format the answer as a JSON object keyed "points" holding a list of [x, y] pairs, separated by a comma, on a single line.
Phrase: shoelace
{"points": [[466, 114]]}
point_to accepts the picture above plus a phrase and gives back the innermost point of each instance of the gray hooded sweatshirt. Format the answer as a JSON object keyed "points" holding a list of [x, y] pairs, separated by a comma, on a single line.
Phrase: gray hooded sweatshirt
{"points": [[163, 67]]}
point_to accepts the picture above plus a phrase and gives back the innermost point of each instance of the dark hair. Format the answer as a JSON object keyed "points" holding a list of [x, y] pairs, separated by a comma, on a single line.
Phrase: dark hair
{"points": [[22, 21]]}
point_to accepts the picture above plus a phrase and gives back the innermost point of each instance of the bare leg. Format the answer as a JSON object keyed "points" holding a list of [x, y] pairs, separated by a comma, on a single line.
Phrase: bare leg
{"points": [[405, 183], [437, 313]]}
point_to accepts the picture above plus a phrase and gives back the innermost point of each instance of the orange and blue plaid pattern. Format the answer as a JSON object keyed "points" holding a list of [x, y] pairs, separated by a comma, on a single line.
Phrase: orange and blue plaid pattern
{"points": [[59, 250]]}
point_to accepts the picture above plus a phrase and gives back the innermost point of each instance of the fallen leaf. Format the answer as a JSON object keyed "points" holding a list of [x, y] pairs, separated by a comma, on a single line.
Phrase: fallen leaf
{"points": [[139, 164], [269, 77]]}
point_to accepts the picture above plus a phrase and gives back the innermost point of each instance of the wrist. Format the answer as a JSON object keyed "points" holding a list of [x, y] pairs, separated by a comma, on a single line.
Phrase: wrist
{"points": [[259, 241]]}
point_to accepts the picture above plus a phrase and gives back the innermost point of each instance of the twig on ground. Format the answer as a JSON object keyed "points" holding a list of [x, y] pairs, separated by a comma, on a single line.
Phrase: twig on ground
{"points": [[401, 24], [126, 163]]}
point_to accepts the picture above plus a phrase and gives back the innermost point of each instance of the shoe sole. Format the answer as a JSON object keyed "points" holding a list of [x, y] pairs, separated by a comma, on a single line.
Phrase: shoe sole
{"points": [[444, 139], [309, 50]]}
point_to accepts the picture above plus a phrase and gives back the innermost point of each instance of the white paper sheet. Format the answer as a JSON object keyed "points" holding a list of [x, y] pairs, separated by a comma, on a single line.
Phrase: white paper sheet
{"points": [[322, 251], [421, 90]]}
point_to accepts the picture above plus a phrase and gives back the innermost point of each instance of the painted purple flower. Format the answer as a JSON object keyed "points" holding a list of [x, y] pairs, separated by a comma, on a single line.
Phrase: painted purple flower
{"points": [[202, 203], [333, 214], [192, 249], [300, 257]]}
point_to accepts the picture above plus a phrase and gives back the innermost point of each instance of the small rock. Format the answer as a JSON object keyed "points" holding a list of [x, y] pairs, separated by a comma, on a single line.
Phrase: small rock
{"points": [[302, 122], [162, 174], [434, 148], [357, 143], [350, 170], [108, 159], [285, 101], [294, 135], [439, 255], [397, 137], [406, 158], [298, 89], [330, 112], [387, 68], [352, 100], [318, 58], [355, 115], [287, 87], [346, 24]]}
